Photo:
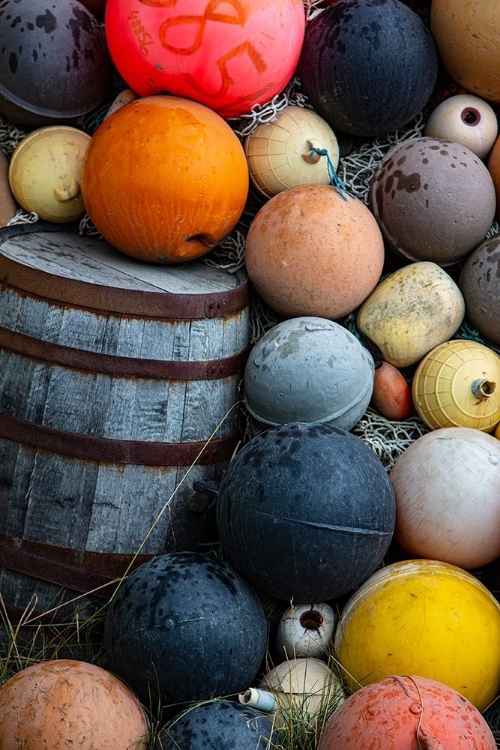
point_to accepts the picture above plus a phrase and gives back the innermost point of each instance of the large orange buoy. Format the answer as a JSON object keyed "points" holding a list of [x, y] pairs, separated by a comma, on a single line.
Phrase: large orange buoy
{"points": [[446, 485], [427, 618], [466, 35], [164, 179], [407, 713], [313, 251], [226, 54], [65, 703]]}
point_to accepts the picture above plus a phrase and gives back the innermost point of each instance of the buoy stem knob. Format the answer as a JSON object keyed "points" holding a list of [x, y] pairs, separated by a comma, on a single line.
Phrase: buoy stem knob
{"points": [[483, 388], [262, 700], [67, 192]]}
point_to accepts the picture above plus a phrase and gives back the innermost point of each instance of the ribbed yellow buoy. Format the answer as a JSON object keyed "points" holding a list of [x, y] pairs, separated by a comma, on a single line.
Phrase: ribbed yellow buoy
{"points": [[45, 172], [423, 617], [296, 148], [457, 384]]}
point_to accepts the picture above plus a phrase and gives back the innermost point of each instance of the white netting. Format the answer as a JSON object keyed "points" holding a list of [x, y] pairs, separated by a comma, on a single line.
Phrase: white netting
{"points": [[388, 439]]}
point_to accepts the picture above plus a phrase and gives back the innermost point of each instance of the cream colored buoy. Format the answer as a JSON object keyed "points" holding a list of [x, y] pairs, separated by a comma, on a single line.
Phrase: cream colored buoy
{"points": [[45, 172], [297, 147], [467, 120], [306, 630]]}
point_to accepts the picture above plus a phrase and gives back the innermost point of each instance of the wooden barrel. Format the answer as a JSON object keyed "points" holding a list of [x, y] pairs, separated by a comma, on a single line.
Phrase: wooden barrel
{"points": [[119, 389]]}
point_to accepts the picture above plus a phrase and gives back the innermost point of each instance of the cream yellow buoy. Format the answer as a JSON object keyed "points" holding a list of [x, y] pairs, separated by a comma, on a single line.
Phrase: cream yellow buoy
{"points": [[410, 312], [457, 384], [45, 172], [303, 687], [446, 484], [427, 618], [467, 120], [296, 148]]}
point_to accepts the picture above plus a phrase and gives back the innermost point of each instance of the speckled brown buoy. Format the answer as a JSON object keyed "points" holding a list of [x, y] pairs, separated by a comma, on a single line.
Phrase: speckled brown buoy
{"points": [[311, 251], [433, 199]]}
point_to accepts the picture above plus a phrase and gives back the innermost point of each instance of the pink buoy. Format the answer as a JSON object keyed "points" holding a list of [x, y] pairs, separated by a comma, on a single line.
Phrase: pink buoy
{"points": [[226, 54]]}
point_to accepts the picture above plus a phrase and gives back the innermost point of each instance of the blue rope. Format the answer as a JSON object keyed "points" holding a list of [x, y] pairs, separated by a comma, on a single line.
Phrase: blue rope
{"points": [[335, 181]]}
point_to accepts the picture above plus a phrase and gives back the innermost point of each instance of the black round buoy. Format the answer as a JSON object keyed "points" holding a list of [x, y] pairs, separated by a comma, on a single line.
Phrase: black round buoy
{"points": [[368, 66], [185, 627], [54, 61], [306, 511], [220, 724]]}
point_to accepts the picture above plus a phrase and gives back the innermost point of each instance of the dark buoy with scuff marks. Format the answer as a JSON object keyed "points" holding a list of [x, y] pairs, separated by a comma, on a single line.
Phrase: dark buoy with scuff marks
{"points": [[185, 627], [306, 511]]}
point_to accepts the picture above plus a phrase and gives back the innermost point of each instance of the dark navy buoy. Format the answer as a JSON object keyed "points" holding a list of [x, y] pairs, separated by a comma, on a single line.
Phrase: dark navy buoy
{"points": [[368, 66], [306, 510], [185, 627], [221, 724]]}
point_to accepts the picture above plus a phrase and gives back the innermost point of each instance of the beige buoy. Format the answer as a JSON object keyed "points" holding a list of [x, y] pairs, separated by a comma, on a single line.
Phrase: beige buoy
{"points": [[45, 172], [410, 312], [457, 384], [466, 35], [296, 148], [124, 97], [467, 120], [8, 206]]}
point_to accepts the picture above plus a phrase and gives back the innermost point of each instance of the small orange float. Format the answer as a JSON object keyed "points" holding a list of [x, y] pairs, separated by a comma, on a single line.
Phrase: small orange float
{"points": [[164, 179], [391, 392]]}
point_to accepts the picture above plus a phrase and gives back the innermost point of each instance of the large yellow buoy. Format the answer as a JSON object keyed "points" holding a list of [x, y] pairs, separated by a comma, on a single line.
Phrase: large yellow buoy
{"points": [[457, 384], [296, 148], [427, 618], [45, 172]]}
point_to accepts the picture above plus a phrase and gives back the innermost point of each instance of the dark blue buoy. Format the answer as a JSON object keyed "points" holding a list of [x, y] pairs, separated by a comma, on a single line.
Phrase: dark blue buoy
{"points": [[306, 510], [368, 66], [185, 627], [219, 725]]}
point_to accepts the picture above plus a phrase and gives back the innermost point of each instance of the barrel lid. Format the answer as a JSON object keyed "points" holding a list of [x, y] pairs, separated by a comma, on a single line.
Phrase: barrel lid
{"points": [[65, 267]]}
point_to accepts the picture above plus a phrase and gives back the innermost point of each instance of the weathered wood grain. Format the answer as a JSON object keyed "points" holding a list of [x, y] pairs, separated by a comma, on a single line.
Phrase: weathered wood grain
{"points": [[108, 507]]}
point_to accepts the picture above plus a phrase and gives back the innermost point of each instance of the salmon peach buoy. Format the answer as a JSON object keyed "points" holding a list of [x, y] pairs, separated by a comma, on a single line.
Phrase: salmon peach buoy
{"points": [[226, 54], [409, 713], [423, 617], [128, 183], [391, 392], [313, 251], [65, 703], [446, 485], [466, 35]]}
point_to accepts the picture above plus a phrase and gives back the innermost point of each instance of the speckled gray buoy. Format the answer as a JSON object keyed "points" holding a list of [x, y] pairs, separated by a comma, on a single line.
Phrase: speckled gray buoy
{"points": [[434, 200], [480, 285]]}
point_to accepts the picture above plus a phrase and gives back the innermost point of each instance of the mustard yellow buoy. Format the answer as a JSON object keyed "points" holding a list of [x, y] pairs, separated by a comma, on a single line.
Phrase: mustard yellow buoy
{"points": [[410, 312], [296, 148], [466, 36], [457, 384], [45, 172], [427, 618]]}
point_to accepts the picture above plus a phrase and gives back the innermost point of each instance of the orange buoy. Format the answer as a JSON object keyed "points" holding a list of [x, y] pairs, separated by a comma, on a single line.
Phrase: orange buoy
{"points": [[164, 179], [391, 392], [63, 703], [312, 250], [407, 713]]}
